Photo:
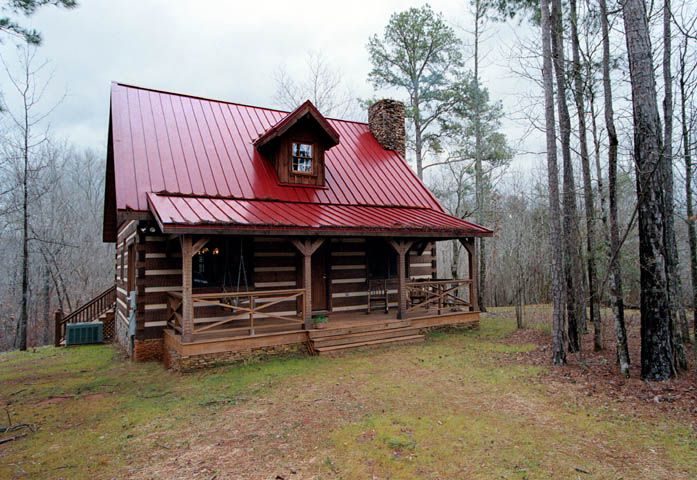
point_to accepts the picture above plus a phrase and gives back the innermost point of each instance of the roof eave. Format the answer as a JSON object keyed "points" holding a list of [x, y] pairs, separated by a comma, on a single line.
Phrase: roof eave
{"points": [[275, 230], [289, 120]]}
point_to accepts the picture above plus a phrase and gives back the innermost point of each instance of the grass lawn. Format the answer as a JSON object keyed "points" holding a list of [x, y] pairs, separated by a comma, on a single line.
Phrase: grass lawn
{"points": [[464, 405]]}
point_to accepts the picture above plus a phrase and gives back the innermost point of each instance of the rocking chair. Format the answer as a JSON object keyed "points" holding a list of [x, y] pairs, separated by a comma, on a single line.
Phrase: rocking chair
{"points": [[378, 292]]}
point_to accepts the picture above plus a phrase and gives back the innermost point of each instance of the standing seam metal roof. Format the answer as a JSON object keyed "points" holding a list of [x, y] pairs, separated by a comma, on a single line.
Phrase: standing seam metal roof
{"points": [[166, 147]]}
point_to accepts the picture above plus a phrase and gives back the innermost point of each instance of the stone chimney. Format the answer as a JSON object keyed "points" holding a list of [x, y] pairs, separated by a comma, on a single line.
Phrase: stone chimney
{"points": [[386, 121]]}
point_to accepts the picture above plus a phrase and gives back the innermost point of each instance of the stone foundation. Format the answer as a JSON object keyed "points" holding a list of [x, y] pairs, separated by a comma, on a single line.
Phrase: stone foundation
{"points": [[147, 350], [173, 360]]}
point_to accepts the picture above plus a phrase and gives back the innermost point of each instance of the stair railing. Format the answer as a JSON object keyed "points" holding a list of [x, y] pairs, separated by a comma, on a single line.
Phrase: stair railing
{"points": [[88, 312]]}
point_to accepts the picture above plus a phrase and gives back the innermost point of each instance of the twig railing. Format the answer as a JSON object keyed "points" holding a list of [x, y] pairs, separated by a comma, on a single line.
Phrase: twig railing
{"points": [[253, 306], [438, 294], [88, 312]]}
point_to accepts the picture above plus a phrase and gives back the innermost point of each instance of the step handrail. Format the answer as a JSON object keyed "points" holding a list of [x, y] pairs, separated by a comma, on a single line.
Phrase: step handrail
{"points": [[85, 313]]}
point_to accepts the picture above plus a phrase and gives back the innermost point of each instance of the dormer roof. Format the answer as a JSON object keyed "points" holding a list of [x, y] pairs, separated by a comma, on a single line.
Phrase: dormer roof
{"points": [[305, 111]]}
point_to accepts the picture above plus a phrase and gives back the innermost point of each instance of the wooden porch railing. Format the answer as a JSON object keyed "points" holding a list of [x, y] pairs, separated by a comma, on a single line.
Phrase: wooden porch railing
{"points": [[438, 294], [240, 305], [88, 312]]}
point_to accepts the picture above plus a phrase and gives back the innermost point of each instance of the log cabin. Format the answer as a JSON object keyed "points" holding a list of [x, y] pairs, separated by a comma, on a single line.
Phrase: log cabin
{"points": [[243, 230]]}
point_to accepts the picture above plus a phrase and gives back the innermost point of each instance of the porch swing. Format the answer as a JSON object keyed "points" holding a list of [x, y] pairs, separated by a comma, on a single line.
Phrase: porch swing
{"points": [[241, 275]]}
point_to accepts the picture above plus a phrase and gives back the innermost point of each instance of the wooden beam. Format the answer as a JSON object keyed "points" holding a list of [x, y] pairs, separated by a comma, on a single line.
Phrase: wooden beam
{"points": [[307, 247], [187, 320], [473, 268], [198, 245], [402, 248]]}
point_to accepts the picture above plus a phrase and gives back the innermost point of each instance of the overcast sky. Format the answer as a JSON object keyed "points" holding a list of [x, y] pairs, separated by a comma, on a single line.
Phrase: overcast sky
{"points": [[230, 50]]}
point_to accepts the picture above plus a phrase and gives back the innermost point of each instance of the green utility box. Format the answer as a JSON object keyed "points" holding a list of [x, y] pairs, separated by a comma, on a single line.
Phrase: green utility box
{"points": [[84, 333]]}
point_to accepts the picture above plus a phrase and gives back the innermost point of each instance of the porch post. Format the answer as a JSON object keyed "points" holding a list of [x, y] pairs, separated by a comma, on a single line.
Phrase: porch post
{"points": [[472, 267], [187, 302], [401, 247], [307, 247]]}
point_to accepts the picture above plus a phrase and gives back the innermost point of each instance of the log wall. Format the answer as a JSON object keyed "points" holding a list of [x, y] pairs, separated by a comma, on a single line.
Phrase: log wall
{"points": [[126, 236]]}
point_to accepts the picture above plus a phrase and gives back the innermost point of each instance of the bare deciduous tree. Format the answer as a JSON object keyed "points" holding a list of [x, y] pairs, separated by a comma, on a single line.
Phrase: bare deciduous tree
{"points": [[321, 83], [616, 291], [575, 297]]}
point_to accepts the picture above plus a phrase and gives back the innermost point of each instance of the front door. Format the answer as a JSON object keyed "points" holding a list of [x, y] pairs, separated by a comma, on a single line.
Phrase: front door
{"points": [[320, 278]]}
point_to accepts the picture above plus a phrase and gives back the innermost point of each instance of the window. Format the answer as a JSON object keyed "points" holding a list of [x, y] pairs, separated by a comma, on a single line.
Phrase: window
{"points": [[301, 158]]}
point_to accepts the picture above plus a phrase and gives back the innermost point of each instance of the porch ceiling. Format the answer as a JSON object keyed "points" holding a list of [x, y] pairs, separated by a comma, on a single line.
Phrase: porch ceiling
{"points": [[195, 214]]}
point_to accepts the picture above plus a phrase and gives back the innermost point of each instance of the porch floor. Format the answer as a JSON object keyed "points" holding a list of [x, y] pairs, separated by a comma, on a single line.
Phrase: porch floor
{"points": [[337, 321]]}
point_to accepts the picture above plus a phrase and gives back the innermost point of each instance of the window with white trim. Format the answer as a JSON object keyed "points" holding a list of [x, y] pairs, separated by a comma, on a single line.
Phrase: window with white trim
{"points": [[301, 158]]}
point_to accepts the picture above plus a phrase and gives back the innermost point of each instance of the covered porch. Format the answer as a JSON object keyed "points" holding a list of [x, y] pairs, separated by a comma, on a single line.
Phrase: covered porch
{"points": [[351, 282]]}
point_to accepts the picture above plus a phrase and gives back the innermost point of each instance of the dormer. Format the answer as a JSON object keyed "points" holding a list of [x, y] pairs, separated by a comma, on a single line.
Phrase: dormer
{"points": [[296, 146]]}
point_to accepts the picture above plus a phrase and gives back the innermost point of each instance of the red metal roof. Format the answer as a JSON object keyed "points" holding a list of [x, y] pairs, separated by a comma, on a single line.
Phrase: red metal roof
{"points": [[179, 214], [182, 146]]}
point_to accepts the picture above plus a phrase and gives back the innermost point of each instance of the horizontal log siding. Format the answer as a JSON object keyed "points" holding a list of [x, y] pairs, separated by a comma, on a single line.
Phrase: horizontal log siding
{"points": [[423, 266], [276, 267], [159, 271], [348, 274]]}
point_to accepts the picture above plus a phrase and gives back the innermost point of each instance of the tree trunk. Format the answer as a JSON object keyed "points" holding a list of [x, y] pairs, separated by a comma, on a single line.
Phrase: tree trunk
{"points": [[418, 142], [616, 293], [478, 169], [22, 326], [691, 219], [46, 320], [520, 301], [455, 265], [599, 173], [558, 353], [679, 326], [575, 298], [587, 184], [657, 350]]}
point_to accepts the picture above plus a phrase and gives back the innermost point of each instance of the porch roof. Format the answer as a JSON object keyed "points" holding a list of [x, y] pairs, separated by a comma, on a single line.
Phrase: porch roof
{"points": [[196, 214]]}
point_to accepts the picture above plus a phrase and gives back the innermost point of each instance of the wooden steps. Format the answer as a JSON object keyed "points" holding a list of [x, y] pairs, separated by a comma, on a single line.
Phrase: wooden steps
{"points": [[337, 340], [360, 328], [395, 341]]}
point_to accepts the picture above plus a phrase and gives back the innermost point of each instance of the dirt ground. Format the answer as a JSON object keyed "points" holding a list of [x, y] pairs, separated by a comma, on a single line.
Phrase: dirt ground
{"points": [[596, 373], [465, 404]]}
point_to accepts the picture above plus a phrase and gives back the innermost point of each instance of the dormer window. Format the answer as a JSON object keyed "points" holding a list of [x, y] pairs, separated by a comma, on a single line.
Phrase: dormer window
{"points": [[296, 145], [302, 158]]}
